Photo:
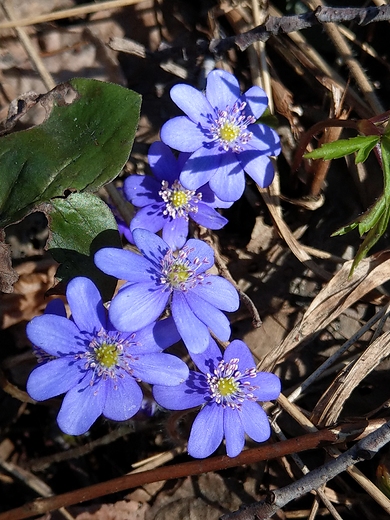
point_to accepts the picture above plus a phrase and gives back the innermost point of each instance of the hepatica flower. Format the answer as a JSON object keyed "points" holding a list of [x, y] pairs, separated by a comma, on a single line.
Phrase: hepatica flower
{"points": [[95, 365], [165, 204], [221, 133], [227, 388], [162, 277]]}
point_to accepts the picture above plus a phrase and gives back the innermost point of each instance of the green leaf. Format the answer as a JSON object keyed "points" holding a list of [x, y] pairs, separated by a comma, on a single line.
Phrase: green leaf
{"points": [[345, 229], [372, 217], [372, 237], [268, 119], [82, 145], [363, 153], [367, 221], [80, 225], [343, 147], [385, 149]]}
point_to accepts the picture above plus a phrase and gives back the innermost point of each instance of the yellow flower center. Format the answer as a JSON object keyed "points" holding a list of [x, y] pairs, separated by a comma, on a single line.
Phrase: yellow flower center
{"points": [[106, 355], [179, 199], [178, 274], [227, 386], [229, 132]]}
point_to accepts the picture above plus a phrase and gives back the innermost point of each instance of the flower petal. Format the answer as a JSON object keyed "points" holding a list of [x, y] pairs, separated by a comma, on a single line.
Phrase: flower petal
{"points": [[239, 350], [124, 398], [149, 217], [54, 334], [264, 139], [56, 307], [81, 406], [209, 197], [228, 182], [125, 265], [193, 103], [259, 167], [86, 304], [200, 251], [182, 159], [163, 163], [156, 337], [269, 386], [193, 332], [182, 134], [175, 232], [142, 190], [124, 230], [207, 360], [213, 318], [136, 306], [256, 100], [222, 89], [234, 432], [219, 292], [189, 394], [160, 369], [255, 421], [206, 432], [53, 378], [151, 246], [200, 167], [207, 216]]}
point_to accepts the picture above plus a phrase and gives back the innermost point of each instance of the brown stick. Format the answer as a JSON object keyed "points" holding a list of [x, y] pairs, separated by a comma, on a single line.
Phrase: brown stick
{"points": [[196, 467]]}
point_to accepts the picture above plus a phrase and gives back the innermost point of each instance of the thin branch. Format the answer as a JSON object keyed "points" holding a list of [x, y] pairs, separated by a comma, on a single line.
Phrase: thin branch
{"points": [[80, 10], [363, 450], [195, 467], [285, 24]]}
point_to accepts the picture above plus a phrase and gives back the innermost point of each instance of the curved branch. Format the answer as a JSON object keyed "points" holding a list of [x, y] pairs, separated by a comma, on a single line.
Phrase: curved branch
{"points": [[285, 24], [363, 450]]}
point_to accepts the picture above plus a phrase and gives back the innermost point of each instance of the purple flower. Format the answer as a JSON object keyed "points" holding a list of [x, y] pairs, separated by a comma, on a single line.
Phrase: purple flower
{"points": [[95, 365], [161, 277], [123, 228], [165, 204], [227, 388], [219, 128]]}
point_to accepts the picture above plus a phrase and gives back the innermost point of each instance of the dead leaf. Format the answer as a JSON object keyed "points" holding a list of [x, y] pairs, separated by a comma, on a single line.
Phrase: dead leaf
{"points": [[123, 510], [339, 294], [332, 401], [28, 298], [8, 276]]}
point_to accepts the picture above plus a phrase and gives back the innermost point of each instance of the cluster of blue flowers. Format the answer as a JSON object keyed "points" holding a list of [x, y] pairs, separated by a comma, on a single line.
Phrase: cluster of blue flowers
{"points": [[100, 354]]}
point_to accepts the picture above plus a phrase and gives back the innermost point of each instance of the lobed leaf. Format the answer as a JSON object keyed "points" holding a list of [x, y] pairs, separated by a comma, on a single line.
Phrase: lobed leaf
{"points": [[342, 147]]}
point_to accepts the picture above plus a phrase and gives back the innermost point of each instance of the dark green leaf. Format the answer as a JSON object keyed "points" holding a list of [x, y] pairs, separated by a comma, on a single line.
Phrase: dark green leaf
{"points": [[268, 119], [80, 225], [372, 217], [82, 145], [342, 147], [385, 149], [372, 237], [346, 229], [363, 153]]}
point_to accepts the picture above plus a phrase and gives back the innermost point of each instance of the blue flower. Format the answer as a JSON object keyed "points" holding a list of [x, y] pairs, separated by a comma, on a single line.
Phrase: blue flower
{"points": [[160, 277], [219, 130], [165, 204], [95, 365], [227, 388]]}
